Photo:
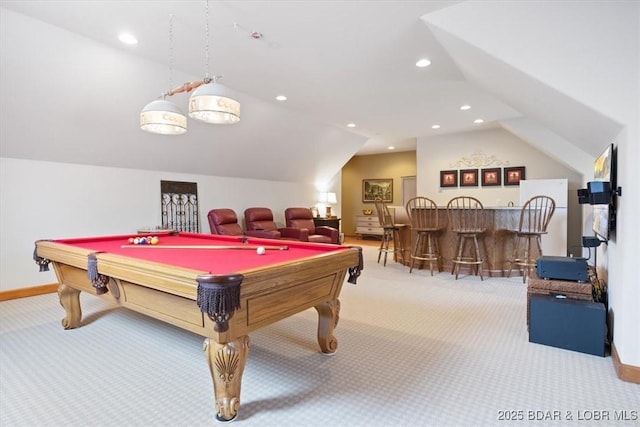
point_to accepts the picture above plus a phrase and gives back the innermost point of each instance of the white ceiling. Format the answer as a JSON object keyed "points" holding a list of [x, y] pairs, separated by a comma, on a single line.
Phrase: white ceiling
{"points": [[519, 65], [337, 61]]}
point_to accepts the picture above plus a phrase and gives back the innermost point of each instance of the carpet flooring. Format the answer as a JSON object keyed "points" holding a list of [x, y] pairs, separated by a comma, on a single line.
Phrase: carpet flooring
{"points": [[414, 350]]}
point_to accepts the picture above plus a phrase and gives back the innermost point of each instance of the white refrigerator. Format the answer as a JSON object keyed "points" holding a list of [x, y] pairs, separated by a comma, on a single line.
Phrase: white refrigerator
{"points": [[555, 241]]}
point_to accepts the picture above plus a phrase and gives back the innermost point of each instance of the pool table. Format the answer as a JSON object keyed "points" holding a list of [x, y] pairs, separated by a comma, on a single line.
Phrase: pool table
{"points": [[217, 286]]}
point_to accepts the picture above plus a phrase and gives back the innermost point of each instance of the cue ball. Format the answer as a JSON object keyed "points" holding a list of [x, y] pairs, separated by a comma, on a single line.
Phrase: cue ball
{"points": [[261, 250]]}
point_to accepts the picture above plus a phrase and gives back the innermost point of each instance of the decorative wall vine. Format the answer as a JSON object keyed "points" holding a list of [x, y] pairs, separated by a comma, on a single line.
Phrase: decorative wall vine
{"points": [[479, 160]]}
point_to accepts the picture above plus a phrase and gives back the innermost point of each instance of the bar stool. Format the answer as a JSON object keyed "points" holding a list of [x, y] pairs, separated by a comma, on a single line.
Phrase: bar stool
{"points": [[391, 233], [423, 215], [467, 220], [534, 219]]}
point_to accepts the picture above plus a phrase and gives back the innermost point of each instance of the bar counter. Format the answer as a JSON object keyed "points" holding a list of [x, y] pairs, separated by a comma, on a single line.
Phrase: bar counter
{"points": [[496, 246]]}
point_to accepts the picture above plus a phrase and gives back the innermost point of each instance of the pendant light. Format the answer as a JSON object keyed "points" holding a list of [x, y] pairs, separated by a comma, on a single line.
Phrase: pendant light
{"points": [[210, 102], [162, 116]]}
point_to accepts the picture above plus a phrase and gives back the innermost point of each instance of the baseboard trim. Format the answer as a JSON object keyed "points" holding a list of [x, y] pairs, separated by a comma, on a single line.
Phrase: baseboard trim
{"points": [[28, 292], [628, 373]]}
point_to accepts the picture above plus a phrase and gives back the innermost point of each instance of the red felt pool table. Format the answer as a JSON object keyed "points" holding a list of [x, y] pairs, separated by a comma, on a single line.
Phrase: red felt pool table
{"points": [[216, 286]]}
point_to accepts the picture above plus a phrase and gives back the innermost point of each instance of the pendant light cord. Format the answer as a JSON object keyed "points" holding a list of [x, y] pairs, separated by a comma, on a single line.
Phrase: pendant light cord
{"points": [[189, 86], [170, 52], [207, 79]]}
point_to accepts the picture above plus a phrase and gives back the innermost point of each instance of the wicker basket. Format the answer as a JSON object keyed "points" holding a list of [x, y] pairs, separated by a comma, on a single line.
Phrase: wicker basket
{"points": [[571, 290]]}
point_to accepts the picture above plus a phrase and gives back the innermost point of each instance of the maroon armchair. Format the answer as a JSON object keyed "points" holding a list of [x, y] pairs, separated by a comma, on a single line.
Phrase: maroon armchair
{"points": [[302, 219], [224, 221], [259, 223]]}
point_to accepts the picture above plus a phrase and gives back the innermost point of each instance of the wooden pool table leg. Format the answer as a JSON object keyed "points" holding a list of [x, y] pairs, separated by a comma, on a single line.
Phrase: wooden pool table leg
{"points": [[328, 316], [70, 301], [226, 363]]}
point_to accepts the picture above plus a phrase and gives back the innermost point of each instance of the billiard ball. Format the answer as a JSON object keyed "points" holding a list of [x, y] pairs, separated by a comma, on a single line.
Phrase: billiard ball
{"points": [[261, 250]]}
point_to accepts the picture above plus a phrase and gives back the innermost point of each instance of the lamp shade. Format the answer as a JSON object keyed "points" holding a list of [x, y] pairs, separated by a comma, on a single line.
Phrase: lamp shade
{"points": [[327, 198], [163, 117], [210, 103]]}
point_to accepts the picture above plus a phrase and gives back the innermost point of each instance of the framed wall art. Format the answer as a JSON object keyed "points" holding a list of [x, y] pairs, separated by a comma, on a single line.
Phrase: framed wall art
{"points": [[513, 176], [491, 177], [449, 178], [468, 177], [374, 188]]}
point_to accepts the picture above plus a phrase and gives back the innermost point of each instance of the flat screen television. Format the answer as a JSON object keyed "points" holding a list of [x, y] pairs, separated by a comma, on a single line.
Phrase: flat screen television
{"points": [[604, 216]]}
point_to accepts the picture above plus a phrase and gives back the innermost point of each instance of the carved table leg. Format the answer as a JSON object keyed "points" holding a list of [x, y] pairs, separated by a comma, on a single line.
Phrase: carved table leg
{"points": [[328, 316], [226, 363], [70, 301]]}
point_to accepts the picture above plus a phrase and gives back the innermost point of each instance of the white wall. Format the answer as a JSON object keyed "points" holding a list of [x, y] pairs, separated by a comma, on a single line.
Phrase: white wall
{"points": [[498, 143], [46, 200], [504, 147], [87, 99]]}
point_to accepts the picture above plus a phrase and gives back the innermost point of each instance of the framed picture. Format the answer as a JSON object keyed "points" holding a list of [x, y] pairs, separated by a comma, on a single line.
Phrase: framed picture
{"points": [[468, 177], [449, 178], [377, 188], [513, 176], [492, 176]]}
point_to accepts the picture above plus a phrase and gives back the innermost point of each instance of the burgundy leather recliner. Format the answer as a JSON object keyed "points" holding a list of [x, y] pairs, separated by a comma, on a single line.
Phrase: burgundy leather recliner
{"points": [[302, 219], [224, 221], [259, 223]]}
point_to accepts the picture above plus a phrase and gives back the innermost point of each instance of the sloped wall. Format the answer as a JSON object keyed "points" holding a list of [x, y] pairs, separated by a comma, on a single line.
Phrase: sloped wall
{"points": [[47, 200]]}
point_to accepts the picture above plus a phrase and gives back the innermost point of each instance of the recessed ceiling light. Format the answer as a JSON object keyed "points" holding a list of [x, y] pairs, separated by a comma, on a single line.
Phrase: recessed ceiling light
{"points": [[127, 38], [465, 107], [424, 62], [281, 98], [351, 125], [478, 121], [435, 127], [391, 147]]}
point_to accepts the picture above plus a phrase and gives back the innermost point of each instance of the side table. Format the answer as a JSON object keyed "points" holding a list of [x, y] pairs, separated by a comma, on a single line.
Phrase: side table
{"points": [[329, 222]]}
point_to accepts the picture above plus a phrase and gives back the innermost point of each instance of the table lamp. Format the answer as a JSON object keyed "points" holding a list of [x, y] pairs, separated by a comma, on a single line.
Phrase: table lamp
{"points": [[328, 199], [331, 198]]}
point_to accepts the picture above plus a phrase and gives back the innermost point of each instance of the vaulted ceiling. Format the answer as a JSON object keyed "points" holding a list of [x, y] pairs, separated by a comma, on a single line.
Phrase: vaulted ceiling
{"points": [[72, 92]]}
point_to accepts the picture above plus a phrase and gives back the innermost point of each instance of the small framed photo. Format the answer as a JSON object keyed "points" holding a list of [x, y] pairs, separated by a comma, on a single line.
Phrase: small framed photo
{"points": [[513, 176], [468, 177], [491, 177], [449, 178]]}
